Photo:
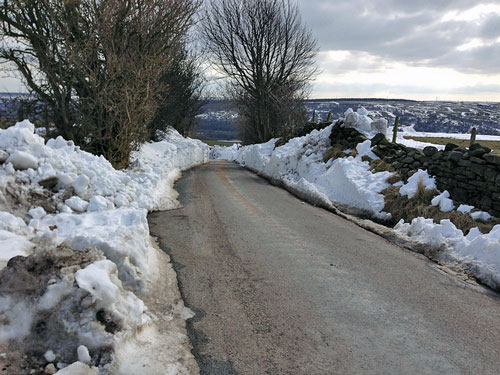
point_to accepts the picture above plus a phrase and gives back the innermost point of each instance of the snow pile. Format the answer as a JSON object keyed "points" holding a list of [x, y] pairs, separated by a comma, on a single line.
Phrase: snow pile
{"points": [[74, 241], [443, 201], [360, 121], [478, 252], [420, 177], [299, 165], [225, 153]]}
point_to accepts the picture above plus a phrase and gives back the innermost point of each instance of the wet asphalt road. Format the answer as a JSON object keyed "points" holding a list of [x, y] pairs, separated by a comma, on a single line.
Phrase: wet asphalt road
{"points": [[282, 287]]}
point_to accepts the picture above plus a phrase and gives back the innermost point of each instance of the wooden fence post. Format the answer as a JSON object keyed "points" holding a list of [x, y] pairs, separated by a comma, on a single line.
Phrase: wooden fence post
{"points": [[395, 130], [473, 136]]}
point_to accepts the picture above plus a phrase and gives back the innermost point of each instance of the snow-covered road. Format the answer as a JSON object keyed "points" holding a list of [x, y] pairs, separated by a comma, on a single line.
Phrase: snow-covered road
{"points": [[283, 287]]}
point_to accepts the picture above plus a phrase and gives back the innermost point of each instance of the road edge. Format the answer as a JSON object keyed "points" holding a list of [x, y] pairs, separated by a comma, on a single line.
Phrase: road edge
{"points": [[458, 273]]}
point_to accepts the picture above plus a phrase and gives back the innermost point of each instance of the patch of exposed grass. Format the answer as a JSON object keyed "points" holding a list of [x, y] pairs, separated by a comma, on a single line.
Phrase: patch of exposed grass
{"points": [[395, 177], [400, 207], [334, 153], [494, 145], [4, 124], [378, 165]]}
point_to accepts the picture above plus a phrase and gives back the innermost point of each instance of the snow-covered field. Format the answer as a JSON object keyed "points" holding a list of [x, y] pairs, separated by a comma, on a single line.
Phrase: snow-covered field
{"points": [[87, 260], [480, 137], [348, 181]]}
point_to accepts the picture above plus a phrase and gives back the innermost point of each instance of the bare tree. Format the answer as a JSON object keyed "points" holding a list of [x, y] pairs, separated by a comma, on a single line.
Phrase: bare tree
{"points": [[269, 57], [96, 63], [180, 100]]}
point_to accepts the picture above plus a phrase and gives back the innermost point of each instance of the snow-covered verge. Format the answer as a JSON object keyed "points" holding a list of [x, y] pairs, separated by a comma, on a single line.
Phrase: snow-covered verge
{"points": [[76, 257], [299, 164], [348, 181]]}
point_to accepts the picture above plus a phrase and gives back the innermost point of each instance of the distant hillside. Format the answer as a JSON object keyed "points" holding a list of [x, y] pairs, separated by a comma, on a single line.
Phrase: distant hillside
{"points": [[219, 121]]}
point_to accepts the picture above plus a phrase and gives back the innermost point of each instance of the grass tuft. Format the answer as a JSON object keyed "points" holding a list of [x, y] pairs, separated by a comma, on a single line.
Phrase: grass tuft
{"points": [[378, 165], [333, 153], [395, 177]]}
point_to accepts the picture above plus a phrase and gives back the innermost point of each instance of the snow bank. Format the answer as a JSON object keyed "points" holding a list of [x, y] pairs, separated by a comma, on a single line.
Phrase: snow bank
{"points": [[348, 181], [156, 166], [478, 252], [299, 164], [63, 205]]}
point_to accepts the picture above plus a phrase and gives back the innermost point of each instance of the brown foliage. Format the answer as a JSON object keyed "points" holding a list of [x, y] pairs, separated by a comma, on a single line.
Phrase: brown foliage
{"points": [[334, 153]]}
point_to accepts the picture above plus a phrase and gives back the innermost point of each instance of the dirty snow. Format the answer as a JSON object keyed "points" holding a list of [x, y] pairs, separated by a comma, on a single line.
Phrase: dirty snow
{"points": [[80, 229]]}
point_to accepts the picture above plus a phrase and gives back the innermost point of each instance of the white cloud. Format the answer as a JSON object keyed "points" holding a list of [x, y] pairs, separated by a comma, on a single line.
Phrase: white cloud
{"points": [[346, 74], [471, 14]]}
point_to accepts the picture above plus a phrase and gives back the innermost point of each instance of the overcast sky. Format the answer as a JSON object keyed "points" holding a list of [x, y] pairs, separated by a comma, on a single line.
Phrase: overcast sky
{"points": [[416, 49]]}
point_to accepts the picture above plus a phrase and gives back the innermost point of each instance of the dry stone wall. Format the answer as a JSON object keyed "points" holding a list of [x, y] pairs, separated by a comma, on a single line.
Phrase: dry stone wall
{"points": [[472, 176]]}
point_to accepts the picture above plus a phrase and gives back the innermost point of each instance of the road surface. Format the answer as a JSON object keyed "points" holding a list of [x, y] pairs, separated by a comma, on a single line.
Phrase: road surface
{"points": [[282, 287]]}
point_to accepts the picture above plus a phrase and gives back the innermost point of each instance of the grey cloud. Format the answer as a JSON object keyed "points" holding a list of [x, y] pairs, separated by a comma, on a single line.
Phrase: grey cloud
{"points": [[490, 28], [408, 31], [478, 60]]}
